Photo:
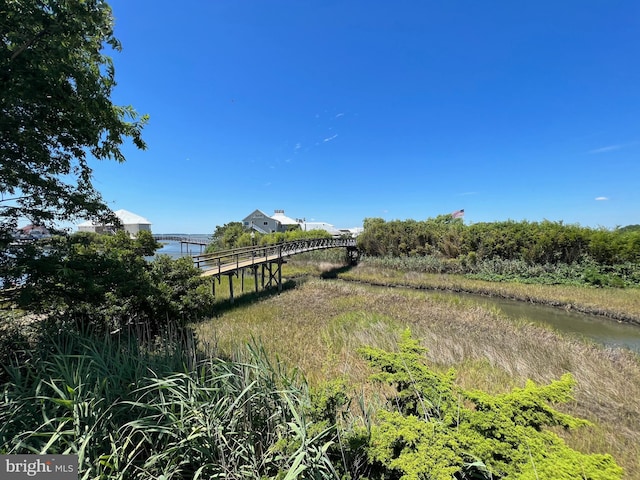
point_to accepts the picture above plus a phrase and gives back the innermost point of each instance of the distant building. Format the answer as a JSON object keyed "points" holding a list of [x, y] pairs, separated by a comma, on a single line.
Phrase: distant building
{"points": [[32, 232], [263, 223], [327, 227], [131, 223]]}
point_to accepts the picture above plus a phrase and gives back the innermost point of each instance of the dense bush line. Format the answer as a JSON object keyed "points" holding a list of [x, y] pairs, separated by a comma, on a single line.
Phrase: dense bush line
{"points": [[109, 282], [542, 252], [532, 242], [235, 235]]}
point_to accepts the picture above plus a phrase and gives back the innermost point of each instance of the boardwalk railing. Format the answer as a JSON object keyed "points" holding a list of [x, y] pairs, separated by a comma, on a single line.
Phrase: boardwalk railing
{"points": [[197, 240], [229, 261]]}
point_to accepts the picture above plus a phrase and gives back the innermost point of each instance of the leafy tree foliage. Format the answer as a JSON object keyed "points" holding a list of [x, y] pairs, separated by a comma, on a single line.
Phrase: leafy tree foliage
{"points": [[105, 281], [55, 109], [234, 235], [226, 236]]}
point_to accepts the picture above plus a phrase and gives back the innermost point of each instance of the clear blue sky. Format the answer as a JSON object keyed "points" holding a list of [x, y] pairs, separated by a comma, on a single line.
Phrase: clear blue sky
{"points": [[338, 110]]}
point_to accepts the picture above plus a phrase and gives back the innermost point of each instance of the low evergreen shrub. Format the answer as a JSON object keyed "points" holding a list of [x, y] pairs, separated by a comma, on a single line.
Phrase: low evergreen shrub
{"points": [[434, 429]]}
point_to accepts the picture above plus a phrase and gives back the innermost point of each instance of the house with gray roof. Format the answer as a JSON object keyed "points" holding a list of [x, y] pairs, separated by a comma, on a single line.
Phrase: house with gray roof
{"points": [[263, 223]]}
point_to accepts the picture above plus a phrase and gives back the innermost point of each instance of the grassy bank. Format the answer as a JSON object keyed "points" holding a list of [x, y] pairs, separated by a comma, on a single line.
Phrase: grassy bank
{"points": [[318, 326], [616, 303]]}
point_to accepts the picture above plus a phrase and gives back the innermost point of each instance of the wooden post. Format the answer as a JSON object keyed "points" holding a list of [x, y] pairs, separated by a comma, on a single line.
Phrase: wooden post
{"points": [[255, 276], [242, 280], [280, 274], [230, 287]]}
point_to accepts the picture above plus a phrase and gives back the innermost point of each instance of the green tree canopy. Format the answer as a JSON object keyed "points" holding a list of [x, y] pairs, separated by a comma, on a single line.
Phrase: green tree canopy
{"points": [[105, 282], [226, 236], [55, 109]]}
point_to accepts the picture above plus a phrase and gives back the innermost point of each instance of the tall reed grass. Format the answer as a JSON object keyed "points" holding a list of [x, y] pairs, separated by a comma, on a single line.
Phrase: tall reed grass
{"points": [[138, 411], [585, 272]]}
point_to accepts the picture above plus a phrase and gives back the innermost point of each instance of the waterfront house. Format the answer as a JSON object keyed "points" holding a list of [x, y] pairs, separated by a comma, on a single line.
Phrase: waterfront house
{"points": [[32, 232], [131, 223], [259, 221], [263, 223]]}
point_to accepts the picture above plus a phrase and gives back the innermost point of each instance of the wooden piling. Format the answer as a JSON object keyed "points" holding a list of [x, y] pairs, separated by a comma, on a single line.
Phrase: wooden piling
{"points": [[255, 277], [230, 287]]}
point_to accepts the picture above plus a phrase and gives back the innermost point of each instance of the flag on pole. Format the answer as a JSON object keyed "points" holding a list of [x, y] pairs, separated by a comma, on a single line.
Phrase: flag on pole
{"points": [[458, 214]]}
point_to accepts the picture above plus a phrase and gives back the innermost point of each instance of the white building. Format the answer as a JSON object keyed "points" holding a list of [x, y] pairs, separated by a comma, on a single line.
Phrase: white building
{"points": [[279, 222], [263, 223], [307, 226], [336, 232], [131, 224]]}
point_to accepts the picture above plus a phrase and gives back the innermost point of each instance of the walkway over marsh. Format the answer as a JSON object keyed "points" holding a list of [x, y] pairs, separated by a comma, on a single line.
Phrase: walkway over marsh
{"points": [[267, 257]]}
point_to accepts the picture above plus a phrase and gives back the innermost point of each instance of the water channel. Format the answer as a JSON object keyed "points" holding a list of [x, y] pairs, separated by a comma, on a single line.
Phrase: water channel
{"points": [[598, 329]]}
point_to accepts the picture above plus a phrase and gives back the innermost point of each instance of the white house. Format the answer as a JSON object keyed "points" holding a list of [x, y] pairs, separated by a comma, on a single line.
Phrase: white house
{"points": [[131, 224], [336, 232], [285, 222], [279, 222], [263, 223], [306, 226]]}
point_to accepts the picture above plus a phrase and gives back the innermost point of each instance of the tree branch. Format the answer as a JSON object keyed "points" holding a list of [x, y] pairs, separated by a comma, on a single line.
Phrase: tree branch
{"points": [[28, 44]]}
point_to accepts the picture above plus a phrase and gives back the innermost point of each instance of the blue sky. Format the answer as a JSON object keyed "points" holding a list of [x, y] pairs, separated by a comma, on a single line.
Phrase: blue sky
{"points": [[339, 110]]}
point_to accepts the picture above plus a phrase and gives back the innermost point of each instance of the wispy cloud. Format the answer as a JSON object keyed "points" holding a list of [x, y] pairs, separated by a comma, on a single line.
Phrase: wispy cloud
{"points": [[602, 199], [465, 194], [340, 115], [328, 139], [609, 148]]}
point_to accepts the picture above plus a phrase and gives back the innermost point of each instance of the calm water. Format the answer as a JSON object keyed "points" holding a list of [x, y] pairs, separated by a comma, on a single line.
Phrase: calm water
{"points": [[602, 330], [172, 248]]}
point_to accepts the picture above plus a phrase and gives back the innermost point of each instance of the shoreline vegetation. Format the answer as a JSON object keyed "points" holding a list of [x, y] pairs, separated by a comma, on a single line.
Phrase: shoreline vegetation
{"points": [[294, 374], [617, 304], [134, 366]]}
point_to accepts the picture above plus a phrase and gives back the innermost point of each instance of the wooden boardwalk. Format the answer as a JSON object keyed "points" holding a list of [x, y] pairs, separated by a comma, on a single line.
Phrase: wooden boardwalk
{"points": [[185, 241], [268, 257]]}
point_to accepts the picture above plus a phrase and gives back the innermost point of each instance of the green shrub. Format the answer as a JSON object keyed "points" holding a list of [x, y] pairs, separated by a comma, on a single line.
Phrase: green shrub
{"points": [[105, 282], [434, 429], [475, 247]]}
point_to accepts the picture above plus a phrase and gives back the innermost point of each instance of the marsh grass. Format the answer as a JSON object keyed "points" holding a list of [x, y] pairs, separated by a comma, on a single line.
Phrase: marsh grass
{"points": [[616, 303], [319, 326]]}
